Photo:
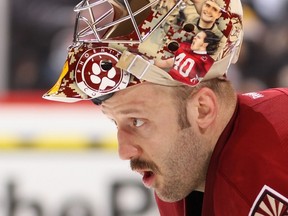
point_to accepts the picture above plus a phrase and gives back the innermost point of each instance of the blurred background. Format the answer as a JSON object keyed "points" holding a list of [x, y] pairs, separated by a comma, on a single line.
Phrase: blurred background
{"points": [[61, 159]]}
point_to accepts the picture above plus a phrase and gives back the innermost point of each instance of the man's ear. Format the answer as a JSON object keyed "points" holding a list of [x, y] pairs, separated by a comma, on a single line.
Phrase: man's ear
{"points": [[219, 15], [205, 102], [205, 45]]}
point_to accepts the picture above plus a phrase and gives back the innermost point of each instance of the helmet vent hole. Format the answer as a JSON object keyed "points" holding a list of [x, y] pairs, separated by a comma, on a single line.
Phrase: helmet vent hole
{"points": [[106, 65], [188, 27], [173, 46]]}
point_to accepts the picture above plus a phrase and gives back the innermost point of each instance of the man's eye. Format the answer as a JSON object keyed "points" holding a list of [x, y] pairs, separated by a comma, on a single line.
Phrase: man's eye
{"points": [[137, 122]]}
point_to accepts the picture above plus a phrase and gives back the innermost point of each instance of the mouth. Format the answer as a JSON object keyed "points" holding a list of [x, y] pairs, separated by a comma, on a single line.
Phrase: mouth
{"points": [[148, 177], [207, 14], [149, 171]]}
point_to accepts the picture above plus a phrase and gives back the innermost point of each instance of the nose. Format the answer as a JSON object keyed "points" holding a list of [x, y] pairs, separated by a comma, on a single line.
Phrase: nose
{"points": [[208, 8], [126, 149]]}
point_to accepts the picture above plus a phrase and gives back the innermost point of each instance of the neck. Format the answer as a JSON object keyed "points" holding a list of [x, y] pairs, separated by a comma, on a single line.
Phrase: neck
{"points": [[205, 25], [226, 111]]}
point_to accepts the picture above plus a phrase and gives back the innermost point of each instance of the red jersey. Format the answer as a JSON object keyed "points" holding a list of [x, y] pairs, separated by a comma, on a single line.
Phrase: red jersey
{"points": [[190, 67], [248, 171]]}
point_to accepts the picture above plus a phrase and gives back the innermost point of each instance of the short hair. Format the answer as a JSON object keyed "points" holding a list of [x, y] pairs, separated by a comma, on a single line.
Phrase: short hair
{"points": [[223, 89], [220, 10], [213, 41]]}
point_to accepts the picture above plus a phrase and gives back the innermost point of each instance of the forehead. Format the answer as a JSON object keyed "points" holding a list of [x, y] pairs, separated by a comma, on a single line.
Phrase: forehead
{"points": [[142, 97], [213, 4], [201, 34]]}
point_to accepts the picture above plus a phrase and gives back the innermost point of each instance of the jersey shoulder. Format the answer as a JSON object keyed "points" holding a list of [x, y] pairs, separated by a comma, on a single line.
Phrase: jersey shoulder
{"points": [[278, 97]]}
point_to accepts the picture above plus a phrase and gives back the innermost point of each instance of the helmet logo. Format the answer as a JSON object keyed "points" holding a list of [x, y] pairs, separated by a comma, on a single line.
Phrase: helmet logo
{"points": [[96, 74], [105, 81]]}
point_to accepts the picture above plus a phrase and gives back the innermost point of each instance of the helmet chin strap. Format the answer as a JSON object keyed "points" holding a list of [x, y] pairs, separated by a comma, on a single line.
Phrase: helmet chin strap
{"points": [[144, 70]]}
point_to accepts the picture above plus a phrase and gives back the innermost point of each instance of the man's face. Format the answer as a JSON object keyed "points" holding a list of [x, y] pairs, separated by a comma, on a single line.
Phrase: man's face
{"points": [[171, 160], [210, 12], [198, 42]]}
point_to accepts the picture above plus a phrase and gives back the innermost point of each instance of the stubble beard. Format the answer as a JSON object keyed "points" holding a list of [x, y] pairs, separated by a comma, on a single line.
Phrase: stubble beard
{"points": [[184, 167]]}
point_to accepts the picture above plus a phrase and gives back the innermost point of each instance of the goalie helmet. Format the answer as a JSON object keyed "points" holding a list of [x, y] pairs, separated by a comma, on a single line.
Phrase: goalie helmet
{"points": [[120, 43]]}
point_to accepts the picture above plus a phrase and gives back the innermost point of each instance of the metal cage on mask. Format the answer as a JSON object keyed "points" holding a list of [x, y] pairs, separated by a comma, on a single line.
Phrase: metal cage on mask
{"points": [[115, 21], [120, 43]]}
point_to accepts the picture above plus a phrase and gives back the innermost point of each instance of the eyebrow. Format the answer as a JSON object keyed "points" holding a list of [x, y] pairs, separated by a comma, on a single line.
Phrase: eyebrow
{"points": [[125, 111], [129, 111]]}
